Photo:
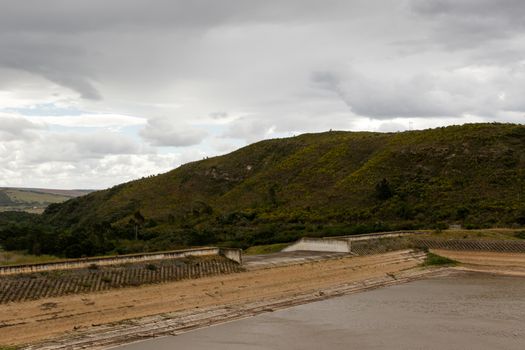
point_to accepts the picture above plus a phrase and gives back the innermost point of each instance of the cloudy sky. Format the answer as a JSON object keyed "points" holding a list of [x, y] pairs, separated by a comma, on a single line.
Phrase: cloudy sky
{"points": [[94, 93]]}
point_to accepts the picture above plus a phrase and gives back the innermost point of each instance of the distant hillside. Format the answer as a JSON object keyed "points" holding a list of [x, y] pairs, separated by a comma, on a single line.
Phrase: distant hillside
{"points": [[34, 200], [471, 175]]}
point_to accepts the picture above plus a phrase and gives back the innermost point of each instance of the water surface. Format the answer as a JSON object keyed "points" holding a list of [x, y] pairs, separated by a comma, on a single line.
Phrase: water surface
{"points": [[467, 311]]}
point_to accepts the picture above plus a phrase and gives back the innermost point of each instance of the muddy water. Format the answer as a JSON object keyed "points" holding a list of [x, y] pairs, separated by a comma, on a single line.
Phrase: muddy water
{"points": [[467, 311]]}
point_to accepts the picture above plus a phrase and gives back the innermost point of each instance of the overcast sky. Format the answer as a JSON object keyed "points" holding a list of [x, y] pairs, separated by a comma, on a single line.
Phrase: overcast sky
{"points": [[94, 93]]}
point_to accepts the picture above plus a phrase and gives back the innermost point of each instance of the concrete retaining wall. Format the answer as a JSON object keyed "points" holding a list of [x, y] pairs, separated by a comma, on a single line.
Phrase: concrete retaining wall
{"points": [[368, 236], [232, 254], [320, 245]]}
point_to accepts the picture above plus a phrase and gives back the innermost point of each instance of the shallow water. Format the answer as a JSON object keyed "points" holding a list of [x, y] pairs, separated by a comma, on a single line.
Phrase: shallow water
{"points": [[467, 311]]}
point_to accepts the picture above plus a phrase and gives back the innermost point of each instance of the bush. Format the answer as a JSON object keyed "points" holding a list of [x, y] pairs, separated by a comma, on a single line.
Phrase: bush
{"points": [[438, 260], [440, 226], [471, 226], [520, 235], [93, 267], [383, 190], [151, 267]]}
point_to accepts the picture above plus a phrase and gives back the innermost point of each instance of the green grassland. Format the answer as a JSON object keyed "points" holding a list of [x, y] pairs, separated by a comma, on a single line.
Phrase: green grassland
{"points": [[33, 196], [20, 257], [324, 184], [438, 260], [33, 200], [265, 249], [489, 234]]}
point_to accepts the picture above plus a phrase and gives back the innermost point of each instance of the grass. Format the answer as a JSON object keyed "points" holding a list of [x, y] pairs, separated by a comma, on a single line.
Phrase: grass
{"points": [[438, 260], [20, 258], [266, 249], [28, 196], [4, 347], [496, 233]]}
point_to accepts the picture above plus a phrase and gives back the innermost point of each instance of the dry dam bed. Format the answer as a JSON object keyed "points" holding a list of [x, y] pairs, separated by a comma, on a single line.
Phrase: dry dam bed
{"points": [[116, 316], [23, 287]]}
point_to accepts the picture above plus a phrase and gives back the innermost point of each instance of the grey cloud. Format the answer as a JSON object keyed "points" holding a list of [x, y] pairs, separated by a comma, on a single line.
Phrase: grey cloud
{"points": [[60, 63], [163, 132], [218, 115], [386, 99], [476, 90], [510, 9], [17, 128], [472, 23], [78, 147], [76, 44], [98, 15], [391, 127], [242, 71], [250, 129]]}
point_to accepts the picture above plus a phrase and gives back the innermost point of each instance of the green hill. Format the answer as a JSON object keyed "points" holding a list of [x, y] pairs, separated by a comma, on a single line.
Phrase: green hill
{"points": [[313, 184], [33, 200]]}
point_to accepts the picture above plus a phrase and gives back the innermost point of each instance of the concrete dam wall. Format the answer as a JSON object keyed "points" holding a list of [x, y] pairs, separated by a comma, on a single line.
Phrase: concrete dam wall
{"points": [[320, 245]]}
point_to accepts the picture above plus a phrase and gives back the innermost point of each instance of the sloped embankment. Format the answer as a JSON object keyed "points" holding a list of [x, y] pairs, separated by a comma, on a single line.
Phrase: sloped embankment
{"points": [[22, 287]]}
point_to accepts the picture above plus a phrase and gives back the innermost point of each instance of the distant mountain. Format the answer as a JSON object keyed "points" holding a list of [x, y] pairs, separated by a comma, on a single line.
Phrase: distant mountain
{"points": [[34, 200], [472, 175]]}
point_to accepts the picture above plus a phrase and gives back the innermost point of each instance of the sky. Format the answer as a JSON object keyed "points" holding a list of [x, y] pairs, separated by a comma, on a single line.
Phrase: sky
{"points": [[94, 93]]}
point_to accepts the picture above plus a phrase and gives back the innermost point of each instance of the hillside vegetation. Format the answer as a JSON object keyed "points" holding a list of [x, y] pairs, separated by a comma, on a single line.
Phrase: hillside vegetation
{"points": [[314, 184]]}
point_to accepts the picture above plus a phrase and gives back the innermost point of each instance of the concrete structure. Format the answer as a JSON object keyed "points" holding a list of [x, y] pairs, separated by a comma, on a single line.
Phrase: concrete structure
{"points": [[232, 254], [264, 261], [343, 244], [229, 253], [320, 245], [369, 236]]}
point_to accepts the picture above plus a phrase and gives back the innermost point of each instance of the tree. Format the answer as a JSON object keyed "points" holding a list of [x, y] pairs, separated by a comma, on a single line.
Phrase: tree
{"points": [[139, 221], [272, 194], [383, 190]]}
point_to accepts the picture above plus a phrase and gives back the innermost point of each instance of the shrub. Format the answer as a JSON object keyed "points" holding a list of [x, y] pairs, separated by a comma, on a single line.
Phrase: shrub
{"points": [[93, 267], [520, 234], [383, 190], [438, 260], [440, 226], [151, 267]]}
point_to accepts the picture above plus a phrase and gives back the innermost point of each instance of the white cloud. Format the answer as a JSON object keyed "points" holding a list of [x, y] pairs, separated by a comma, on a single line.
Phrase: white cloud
{"points": [[163, 132], [92, 120], [468, 90], [15, 128], [125, 88]]}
